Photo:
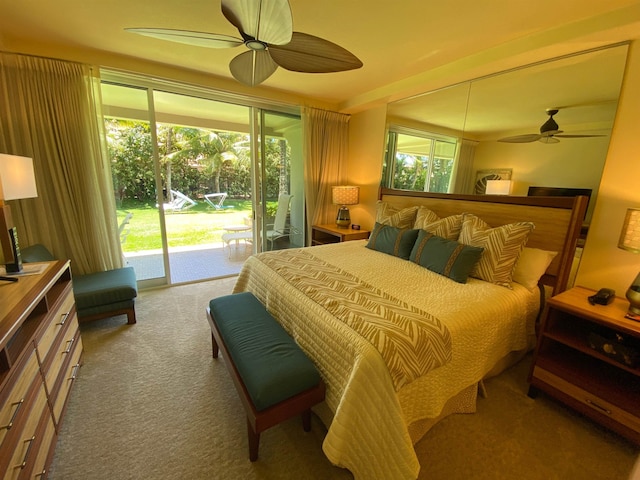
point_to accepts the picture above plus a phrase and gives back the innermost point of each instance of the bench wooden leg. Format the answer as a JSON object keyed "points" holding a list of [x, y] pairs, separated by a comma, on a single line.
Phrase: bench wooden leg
{"points": [[131, 316], [254, 442], [214, 346], [306, 420]]}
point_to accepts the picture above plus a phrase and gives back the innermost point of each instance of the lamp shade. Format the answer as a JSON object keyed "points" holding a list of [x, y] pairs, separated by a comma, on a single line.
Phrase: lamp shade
{"points": [[498, 187], [17, 179], [345, 195], [630, 234]]}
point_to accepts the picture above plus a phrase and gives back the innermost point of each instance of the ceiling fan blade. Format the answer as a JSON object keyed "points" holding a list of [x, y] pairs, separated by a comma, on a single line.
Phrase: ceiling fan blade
{"points": [[309, 54], [579, 136], [270, 22], [252, 67], [199, 39], [532, 137]]}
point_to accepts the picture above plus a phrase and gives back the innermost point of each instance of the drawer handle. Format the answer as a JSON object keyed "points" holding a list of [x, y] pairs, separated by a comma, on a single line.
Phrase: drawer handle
{"points": [[26, 454], [593, 404], [41, 474], [69, 345], [13, 417], [74, 372], [63, 318]]}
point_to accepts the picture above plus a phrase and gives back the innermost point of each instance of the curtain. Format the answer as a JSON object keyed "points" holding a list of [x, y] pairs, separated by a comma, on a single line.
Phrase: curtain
{"points": [[464, 178], [50, 111], [326, 137]]}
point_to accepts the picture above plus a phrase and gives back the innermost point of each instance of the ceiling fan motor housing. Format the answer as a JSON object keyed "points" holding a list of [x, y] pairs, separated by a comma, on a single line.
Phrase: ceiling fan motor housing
{"points": [[550, 126]]}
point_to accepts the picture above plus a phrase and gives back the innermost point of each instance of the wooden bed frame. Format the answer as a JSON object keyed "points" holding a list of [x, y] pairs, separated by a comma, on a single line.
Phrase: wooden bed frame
{"points": [[557, 220]]}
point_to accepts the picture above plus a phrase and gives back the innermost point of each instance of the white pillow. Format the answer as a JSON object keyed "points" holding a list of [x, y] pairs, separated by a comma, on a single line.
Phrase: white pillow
{"points": [[532, 264]]}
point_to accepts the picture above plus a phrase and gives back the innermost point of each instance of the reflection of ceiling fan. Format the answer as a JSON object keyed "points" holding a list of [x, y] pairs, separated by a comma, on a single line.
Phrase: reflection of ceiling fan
{"points": [[549, 132], [266, 29]]}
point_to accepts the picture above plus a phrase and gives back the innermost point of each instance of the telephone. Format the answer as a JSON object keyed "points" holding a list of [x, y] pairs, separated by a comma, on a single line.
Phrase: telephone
{"points": [[604, 296]]}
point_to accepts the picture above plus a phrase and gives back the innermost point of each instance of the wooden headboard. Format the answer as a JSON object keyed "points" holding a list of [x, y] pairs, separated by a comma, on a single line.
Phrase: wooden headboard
{"points": [[557, 220]]}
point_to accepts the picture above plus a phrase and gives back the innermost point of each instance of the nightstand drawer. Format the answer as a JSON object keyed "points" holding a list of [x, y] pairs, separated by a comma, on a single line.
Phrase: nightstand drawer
{"points": [[598, 405]]}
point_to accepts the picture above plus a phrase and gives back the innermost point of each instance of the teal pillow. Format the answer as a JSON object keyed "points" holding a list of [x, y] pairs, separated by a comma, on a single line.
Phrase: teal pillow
{"points": [[392, 240], [446, 257]]}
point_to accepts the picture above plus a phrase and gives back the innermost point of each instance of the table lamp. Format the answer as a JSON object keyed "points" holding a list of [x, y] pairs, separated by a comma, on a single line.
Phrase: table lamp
{"points": [[630, 241], [17, 181], [498, 187], [343, 196]]}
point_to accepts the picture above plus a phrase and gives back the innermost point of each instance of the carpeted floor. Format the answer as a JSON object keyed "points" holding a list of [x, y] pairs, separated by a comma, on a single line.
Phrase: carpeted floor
{"points": [[151, 402]]}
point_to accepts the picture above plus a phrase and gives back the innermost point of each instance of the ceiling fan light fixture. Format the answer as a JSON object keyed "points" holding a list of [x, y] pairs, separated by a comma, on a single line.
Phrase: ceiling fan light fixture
{"points": [[255, 45]]}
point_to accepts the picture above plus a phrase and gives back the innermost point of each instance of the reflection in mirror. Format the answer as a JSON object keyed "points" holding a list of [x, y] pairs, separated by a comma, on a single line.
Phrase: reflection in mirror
{"points": [[584, 88]]}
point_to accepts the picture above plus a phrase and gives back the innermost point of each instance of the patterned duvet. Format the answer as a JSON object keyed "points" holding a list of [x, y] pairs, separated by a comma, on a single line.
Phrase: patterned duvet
{"points": [[379, 382]]}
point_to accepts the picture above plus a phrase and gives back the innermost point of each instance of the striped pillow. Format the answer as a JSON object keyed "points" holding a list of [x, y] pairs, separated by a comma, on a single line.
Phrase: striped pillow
{"points": [[448, 227], [392, 241], [387, 214], [502, 247]]}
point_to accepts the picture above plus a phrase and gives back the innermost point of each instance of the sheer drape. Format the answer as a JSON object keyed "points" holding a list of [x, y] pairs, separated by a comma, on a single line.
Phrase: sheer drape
{"points": [[326, 136], [464, 179], [49, 111]]}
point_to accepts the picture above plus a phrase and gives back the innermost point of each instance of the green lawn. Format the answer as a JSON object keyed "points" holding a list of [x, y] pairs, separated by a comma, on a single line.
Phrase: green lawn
{"points": [[198, 225]]}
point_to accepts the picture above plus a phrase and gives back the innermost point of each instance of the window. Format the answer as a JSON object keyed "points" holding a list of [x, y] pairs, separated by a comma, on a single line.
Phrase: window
{"points": [[418, 161]]}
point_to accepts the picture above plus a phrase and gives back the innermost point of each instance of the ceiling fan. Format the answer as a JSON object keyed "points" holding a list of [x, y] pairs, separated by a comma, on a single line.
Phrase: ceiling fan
{"points": [[549, 132], [266, 29]]}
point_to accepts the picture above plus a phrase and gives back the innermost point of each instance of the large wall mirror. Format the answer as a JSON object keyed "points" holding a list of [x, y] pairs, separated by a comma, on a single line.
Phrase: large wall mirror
{"points": [[496, 122]]}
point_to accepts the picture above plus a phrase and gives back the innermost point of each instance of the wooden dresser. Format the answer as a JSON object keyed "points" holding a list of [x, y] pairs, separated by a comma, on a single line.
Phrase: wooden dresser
{"points": [[40, 350]]}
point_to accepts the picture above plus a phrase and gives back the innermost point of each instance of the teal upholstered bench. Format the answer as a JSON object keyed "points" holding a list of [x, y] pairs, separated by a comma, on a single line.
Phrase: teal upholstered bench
{"points": [[273, 376], [98, 295]]}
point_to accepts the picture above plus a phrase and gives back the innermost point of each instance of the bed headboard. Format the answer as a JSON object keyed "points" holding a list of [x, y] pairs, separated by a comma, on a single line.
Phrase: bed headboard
{"points": [[557, 220]]}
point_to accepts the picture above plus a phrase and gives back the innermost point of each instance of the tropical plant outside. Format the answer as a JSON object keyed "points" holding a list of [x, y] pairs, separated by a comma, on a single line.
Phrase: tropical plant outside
{"points": [[194, 162]]}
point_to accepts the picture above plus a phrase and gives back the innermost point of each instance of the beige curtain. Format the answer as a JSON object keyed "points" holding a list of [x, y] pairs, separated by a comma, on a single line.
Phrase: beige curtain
{"points": [[464, 178], [326, 136], [49, 111]]}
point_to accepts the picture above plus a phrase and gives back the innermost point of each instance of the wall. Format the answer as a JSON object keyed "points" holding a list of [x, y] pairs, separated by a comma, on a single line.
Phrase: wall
{"points": [[574, 162], [603, 264], [364, 166]]}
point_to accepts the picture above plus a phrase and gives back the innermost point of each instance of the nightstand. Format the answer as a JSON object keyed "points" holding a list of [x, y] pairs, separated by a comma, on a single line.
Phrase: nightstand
{"points": [[323, 234], [588, 357]]}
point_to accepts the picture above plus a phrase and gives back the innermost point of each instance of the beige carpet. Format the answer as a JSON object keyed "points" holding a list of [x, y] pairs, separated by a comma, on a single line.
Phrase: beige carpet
{"points": [[150, 402]]}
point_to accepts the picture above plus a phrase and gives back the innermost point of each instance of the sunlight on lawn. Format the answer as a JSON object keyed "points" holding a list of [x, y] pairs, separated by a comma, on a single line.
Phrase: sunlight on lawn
{"points": [[199, 225]]}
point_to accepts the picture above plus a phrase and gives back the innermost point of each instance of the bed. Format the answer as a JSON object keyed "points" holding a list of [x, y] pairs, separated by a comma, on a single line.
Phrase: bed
{"points": [[385, 389]]}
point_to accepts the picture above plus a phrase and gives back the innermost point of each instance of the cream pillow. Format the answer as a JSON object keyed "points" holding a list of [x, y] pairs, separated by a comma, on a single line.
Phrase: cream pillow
{"points": [[502, 247], [448, 227], [531, 265], [387, 214]]}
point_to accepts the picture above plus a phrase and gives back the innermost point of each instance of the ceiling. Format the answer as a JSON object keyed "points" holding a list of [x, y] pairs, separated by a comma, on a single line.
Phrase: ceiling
{"points": [[407, 47]]}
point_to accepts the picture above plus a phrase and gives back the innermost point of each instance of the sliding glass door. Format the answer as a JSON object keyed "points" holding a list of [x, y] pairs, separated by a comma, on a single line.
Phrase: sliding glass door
{"points": [[185, 169]]}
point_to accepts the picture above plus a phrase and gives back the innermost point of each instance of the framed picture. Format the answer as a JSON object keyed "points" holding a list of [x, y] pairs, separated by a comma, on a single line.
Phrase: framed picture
{"points": [[482, 176]]}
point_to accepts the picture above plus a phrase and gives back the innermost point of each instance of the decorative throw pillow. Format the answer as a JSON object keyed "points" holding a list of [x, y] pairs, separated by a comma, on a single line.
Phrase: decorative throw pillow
{"points": [[502, 246], [448, 227], [387, 214], [446, 257], [531, 265], [391, 240]]}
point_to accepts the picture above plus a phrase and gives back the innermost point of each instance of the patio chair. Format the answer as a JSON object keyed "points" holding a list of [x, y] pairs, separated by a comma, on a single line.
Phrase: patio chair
{"points": [[179, 203], [279, 226], [216, 200]]}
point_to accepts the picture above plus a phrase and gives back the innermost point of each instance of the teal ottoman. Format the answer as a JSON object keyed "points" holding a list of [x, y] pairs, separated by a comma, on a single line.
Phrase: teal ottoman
{"points": [[98, 295]]}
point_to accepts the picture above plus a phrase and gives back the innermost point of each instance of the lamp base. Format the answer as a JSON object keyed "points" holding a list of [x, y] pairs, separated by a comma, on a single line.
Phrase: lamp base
{"points": [[343, 220], [633, 295]]}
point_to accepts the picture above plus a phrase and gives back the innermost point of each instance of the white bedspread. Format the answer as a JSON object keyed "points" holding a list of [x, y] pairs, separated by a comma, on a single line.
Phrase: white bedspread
{"points": [[367, 421]]}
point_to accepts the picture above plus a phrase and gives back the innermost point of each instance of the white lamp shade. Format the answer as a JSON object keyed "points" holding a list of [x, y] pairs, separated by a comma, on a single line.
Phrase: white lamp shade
{"points": [[17, 179], [345, 195], [498, 187], [630, 235]]}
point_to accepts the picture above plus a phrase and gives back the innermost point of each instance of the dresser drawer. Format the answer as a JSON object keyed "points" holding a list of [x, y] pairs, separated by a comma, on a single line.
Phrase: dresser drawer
{"points": [[28, 440], [13, 399], [59, 319], [60, 351], [67, 378], [593, 402], [46, 434]]}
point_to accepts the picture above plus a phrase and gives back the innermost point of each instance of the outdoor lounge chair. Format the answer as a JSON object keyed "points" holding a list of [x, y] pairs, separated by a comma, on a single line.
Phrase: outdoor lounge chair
{"points": [[216, 200], [279, 228], [179, 203]]}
